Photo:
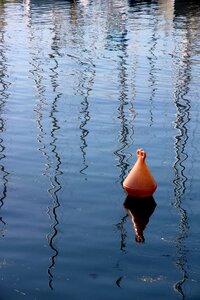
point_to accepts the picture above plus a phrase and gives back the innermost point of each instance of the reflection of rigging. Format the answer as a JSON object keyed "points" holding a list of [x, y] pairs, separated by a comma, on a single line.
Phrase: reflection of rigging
{"points": [[53, 178], [47, 148], [152, 72], [125, 138], [182, 118], [123, 97], [124, 131], [85, 83], [53, 191], [123, 233], [55, 183], [84, 88], [4, 84]]}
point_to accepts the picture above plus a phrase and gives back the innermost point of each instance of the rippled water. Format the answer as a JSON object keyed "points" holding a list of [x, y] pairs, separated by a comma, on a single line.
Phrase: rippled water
{"points": [[83, 84]]}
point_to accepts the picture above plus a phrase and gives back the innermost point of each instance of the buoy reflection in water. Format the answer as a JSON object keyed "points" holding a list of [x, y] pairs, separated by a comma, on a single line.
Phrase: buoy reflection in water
{"points": [[140, 211]]}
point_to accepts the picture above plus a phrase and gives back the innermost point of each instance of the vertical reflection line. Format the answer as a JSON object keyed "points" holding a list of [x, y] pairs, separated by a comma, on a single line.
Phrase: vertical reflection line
{"points": [[85, 84], [125, 137], [133, 75], [84, 132], [123, 233], [4, 85], [123, 97], [56, 160], [52, 167], [84, 88], [152, 63], [124, 131], [183, 106], [54, 189], [37, 71]]}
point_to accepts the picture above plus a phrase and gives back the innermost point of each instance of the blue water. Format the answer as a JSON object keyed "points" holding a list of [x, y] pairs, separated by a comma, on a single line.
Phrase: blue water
{"points": [[83, 85]]}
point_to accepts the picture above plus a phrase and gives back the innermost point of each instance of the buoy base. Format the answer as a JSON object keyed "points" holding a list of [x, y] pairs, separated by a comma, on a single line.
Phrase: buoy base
{"points": [[139, 193]]}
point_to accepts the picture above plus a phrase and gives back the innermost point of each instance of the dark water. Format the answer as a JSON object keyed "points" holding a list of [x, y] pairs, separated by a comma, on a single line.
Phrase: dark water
{"points": [[83, 84]]}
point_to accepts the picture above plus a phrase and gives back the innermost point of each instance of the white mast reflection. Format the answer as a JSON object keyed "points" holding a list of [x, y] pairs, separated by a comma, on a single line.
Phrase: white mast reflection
{"points": [[4, 85]]}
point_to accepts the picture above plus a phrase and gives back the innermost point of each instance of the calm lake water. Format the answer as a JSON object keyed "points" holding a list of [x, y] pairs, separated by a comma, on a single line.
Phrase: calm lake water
{"points": [[83, 85]]}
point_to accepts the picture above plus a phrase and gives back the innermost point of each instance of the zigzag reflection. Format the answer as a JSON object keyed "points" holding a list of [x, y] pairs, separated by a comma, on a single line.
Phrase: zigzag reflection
{"points": [[126, 131], [183, 106], [4, 85], [47, 148], [125, 134], [152, 71], [53, 191], [85, 83], [56, 161]]}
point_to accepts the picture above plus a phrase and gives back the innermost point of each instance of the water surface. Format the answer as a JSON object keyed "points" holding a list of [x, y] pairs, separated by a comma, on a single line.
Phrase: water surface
{"points": [[83, 84]]}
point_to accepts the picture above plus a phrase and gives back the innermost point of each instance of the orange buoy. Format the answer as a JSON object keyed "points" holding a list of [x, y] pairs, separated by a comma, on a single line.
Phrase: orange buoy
{"points": [[140, 182]]}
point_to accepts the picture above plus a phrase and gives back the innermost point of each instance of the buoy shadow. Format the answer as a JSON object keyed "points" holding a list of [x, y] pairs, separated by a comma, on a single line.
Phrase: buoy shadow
{"points": [[140, 211]]}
